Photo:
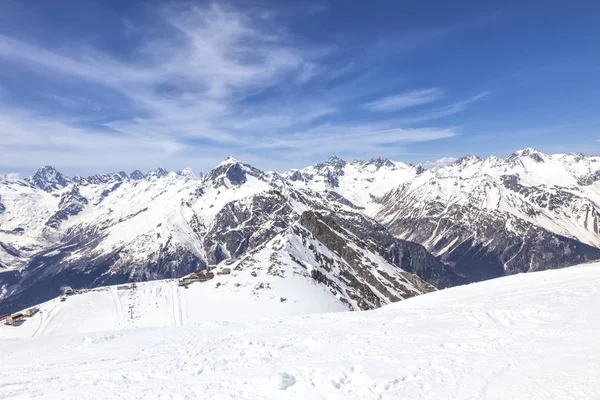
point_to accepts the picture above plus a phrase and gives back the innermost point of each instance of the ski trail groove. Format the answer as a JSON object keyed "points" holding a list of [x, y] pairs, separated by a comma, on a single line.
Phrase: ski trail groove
{"points": [[176, 305], [117, 303], [46, 321]]}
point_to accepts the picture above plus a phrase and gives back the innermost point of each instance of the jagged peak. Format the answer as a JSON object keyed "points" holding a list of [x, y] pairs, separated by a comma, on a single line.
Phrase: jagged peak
{"points": [[188, 172], [229, 160], [137, 175], [577, 156], [48, 178], [469, 158], [158, 173], [378, 162], [419, 168], [493, 158], [332, 161], [232, 169], [97, 179], [528, 152], [46, 170]]}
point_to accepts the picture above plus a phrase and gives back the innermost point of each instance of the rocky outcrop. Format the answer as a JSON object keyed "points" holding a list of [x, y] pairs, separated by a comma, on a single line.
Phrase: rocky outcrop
{"points": [[71, 203]]}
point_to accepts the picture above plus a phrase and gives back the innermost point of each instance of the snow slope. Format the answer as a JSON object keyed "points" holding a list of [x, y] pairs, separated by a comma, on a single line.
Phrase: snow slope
{"points": [[163, 303], [527, 336]]}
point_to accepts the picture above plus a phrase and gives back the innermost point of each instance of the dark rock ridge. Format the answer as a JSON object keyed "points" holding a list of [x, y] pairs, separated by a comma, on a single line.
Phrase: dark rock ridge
{"points": [[137, 175], [357, 272], [71, 203], [487, 245], [157, 173], [48, 179]]}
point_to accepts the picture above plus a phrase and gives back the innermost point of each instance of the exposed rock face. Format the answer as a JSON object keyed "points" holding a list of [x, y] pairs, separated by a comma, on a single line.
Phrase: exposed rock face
{"points": [[100, 179], [482, 247], [137, 175], [483, 218], [48, 179], [71, 203], [232, 172], [411, 257], [157, 173], [296, 176], [358, 274], [246, 224]]}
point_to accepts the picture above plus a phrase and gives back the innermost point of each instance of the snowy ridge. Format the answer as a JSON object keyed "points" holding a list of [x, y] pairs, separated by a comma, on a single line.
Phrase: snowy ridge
{"points": [[486, 217], [524, 336]]}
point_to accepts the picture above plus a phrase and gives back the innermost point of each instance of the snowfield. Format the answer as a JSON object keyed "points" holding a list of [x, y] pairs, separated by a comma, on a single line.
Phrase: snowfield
{"points": [[163, 303], [528, 336]]}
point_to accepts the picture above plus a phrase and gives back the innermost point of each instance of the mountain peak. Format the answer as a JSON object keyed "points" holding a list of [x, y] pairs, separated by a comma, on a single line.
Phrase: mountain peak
{"points": [[158, 173], [382, 162], [333, 161], [231, 169], [532, 153], [137, 175], [189, 173], [468, 159], [48, 178], [228, 161], [378, 162]]}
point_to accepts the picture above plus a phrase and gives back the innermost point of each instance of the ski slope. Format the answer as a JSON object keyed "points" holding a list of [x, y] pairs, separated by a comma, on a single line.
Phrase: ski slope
{"points": [[529, 336], [163, 303]]}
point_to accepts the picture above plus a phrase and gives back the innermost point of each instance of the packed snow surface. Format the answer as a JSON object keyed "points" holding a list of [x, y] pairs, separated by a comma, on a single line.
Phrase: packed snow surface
{"points": [[163, 303], [531, 336]]}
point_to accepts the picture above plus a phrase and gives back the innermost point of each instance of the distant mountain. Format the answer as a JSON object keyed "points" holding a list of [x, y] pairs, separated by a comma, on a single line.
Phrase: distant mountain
{"points": [[48, 179], [483, 217], [371, 231]]}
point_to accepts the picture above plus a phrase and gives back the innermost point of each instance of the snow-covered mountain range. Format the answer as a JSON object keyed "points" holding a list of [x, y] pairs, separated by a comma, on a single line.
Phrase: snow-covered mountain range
{"points": [[371, 232]]}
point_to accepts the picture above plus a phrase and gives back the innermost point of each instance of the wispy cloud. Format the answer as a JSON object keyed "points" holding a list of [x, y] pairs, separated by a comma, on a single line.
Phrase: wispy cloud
{"points": [[327, 139], [444, 111], [406, 100], [441, 162], [216, 81]]}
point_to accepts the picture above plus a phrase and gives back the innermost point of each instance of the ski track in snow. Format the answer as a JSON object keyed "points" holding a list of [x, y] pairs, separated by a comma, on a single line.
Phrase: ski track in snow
{"points": [[177, 313], [530, 336], [118, 308], [46, 318]]}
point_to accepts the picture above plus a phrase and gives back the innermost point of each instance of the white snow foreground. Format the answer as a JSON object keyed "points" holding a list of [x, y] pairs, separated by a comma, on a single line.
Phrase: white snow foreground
{"points": [[530, 336]]}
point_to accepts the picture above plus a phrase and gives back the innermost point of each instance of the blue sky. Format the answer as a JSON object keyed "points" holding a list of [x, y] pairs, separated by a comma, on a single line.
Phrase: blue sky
{"points": [[97, 86]]}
